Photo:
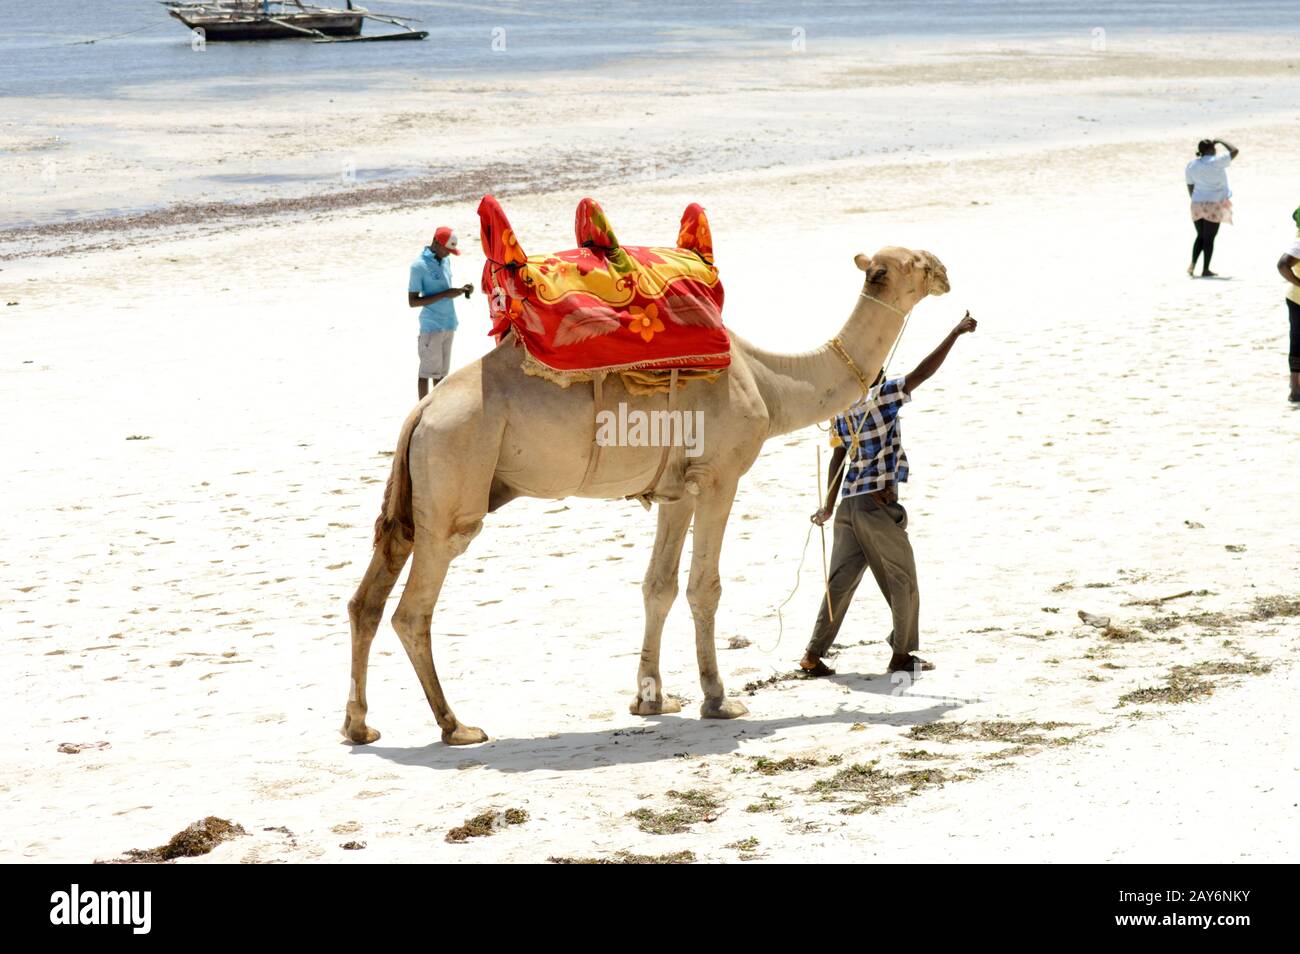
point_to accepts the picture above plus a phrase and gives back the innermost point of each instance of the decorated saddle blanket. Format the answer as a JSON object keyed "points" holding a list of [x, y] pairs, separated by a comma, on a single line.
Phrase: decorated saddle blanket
{"points": [[607, 307]]}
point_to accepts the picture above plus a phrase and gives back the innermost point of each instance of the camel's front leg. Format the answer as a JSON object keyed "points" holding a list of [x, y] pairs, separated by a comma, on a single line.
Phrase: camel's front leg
{"points": [[659, 590], [703, 591]]}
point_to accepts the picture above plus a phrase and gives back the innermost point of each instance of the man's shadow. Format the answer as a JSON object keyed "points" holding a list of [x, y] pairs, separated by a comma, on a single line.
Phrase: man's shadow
{"points": [[900, 684]]}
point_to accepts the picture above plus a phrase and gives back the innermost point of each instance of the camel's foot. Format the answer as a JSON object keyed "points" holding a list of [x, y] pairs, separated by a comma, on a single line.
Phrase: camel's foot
{"points": [[650, 707], [464, 735], [723, 708], [356, 730]]}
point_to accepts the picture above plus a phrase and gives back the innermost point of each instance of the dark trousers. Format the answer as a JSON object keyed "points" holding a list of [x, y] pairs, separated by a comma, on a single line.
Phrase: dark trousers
{"points": [[1204, 244], [1293, 312], [871, 537]]}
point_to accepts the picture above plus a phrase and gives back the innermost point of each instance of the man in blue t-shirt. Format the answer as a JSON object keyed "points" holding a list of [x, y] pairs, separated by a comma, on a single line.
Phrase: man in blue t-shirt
{"points": [[431, 291]]}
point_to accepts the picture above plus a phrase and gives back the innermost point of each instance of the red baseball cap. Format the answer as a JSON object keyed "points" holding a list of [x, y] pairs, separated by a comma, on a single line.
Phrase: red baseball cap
{"points": [[445, 237]]}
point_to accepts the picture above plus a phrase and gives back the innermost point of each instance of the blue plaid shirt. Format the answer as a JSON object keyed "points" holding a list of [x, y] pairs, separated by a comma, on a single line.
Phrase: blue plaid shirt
{"points": [[870, 431]]}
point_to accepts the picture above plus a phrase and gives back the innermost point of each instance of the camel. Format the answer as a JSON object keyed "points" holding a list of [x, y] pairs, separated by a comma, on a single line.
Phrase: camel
{"points": [[490, 433]]}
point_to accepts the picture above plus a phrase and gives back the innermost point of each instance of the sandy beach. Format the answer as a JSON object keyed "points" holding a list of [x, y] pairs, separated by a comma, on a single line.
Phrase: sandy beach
{"points": [[200, 405]]}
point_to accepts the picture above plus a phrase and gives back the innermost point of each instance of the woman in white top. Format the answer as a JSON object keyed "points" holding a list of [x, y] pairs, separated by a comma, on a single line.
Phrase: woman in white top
{"points": [[1289, 266], [1207, 185]]}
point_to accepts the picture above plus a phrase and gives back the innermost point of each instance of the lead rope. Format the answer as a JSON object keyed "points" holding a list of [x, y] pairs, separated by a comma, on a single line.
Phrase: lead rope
{"points": [[826, 579], [838, 347]]}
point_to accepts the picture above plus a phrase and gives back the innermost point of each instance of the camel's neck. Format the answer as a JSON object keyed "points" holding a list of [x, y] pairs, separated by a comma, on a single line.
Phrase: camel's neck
{"points": [[800, 389]]}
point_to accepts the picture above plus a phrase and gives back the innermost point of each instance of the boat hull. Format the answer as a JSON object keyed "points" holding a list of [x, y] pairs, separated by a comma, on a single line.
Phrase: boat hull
{"points": [[254, 28]]}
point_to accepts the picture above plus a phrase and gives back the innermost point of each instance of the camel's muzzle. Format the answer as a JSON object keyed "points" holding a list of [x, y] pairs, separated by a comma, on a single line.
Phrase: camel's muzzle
{"points": [[936, 275]]}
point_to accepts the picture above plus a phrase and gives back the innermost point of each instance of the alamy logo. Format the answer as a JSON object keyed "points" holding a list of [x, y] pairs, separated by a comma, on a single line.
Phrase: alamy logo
{"points": [[102, 907], [630, 428]]}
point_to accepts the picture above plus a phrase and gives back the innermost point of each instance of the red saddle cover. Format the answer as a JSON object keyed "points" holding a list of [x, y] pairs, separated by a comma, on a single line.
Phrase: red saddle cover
{"points": [[605, 306]]}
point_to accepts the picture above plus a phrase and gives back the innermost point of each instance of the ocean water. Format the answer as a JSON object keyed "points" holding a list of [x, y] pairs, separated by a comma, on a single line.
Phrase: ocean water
{"points": [[99, 48]]}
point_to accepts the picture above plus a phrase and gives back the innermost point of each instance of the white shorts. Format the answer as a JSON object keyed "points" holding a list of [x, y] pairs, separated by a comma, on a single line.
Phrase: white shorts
{"points": [[435, 354]]}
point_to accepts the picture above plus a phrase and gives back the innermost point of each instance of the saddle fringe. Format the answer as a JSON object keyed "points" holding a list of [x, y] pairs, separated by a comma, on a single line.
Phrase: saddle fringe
{"points": [[639, 380]]}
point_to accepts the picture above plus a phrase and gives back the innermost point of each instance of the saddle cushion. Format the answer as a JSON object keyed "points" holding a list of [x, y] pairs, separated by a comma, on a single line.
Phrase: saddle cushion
{"points": [[605, 306]]}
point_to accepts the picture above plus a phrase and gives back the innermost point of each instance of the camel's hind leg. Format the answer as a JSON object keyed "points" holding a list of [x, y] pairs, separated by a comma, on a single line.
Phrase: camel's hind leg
{"points": [[414, 617], [365, 609], [660, 590]]}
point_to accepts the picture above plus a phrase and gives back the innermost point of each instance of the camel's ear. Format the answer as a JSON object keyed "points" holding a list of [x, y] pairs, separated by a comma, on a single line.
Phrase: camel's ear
{"points": [[875, 273]]}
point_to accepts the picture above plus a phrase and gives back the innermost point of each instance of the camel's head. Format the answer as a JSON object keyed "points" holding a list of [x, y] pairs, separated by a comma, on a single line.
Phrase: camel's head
{"points": [[903, 275]]}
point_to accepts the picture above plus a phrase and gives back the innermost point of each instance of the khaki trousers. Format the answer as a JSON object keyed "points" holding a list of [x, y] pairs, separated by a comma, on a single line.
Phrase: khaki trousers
{"points": [[869, 536]]}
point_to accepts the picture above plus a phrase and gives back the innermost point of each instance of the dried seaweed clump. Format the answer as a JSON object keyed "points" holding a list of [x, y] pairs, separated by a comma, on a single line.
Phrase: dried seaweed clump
{"points": [[1186, 683], [629, 858], [693, 806], [1018, 733], [879, 788], [198, 839], [488, 823]]}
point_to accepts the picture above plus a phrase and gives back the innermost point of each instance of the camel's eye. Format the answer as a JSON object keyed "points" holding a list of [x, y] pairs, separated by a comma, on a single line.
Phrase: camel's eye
{"points": [[877, 275]]}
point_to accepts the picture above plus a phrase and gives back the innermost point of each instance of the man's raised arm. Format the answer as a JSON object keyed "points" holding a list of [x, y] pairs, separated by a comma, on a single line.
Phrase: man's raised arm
{"points": [[922, 372]]}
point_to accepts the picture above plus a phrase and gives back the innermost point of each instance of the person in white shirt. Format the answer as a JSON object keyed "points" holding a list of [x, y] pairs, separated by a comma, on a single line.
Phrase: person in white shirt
{"points": [[1289, 266], [1207, 186]]}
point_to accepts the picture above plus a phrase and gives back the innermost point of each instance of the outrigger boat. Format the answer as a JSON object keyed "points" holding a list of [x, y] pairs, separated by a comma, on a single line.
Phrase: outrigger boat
{"points": [[284, 19]]}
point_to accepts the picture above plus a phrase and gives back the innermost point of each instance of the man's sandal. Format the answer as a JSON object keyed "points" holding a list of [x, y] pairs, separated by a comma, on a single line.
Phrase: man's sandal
{"points": [[913, 664], [821, 669]]}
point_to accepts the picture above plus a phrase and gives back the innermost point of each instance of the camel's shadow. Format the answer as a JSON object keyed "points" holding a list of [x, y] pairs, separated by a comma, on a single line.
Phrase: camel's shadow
{"points": [[658, 738]]}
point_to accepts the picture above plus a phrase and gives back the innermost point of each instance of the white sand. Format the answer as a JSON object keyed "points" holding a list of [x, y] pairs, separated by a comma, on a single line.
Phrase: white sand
{"points": [[1141, 795], [184, 597]]}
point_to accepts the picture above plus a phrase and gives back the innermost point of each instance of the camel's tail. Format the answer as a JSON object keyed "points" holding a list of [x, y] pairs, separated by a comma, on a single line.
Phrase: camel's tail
{"points": [[395, 526]]}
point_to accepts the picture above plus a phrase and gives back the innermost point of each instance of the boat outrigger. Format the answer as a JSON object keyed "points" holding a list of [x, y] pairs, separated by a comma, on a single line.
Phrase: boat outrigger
{"points": [[285, 19]]}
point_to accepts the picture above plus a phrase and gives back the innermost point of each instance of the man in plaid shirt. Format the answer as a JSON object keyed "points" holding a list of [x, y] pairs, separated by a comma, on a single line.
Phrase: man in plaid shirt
{"points": [[870, 523]]}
